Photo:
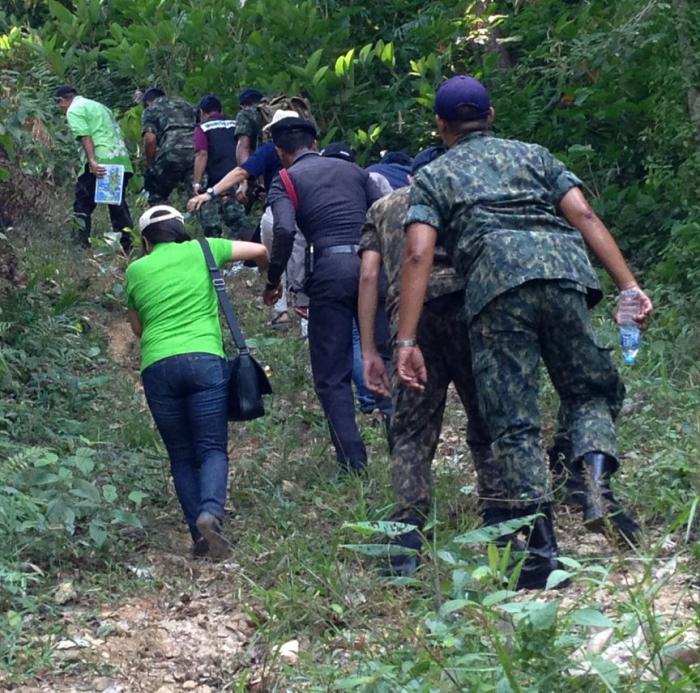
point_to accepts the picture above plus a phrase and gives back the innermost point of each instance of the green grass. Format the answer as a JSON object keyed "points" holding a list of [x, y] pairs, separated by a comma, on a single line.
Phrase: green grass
{"points": [[453, 628]]}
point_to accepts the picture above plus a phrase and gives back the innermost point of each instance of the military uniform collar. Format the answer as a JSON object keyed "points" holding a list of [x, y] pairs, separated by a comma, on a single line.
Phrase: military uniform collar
{"points": [[472, 136]]}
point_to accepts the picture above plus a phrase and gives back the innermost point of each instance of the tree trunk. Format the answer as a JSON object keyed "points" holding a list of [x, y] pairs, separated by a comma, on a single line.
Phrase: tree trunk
{"points": [[687, 27]]}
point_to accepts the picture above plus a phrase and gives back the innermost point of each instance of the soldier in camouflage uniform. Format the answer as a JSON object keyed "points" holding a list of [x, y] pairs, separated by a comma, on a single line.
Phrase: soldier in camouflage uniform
{"points": [[510, 214], [248, 124], [444, 341], [167, 124]]}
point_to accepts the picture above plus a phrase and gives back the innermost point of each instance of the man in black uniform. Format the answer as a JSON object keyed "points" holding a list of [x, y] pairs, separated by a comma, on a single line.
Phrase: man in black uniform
{"points": [[215, 154], [328, 198]]}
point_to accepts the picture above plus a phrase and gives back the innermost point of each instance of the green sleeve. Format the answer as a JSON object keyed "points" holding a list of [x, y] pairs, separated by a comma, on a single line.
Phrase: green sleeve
{"points": [[369, 240], [248, 123], [130, 302], [77, 122], [149, 121], [559, 177], [221, 249], [423, 205]]}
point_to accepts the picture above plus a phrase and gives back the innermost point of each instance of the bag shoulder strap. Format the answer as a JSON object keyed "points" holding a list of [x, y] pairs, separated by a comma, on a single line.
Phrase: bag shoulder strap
{"points": [[224, 301], [289, 187]]}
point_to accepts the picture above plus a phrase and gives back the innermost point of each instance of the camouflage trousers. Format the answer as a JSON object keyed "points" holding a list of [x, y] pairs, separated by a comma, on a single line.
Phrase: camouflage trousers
{"points": [[166, 174], [224, 210], [541, 321], [417, 420]]}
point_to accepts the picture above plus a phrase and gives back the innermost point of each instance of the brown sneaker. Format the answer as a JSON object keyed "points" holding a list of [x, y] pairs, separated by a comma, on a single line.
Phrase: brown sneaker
{"points": [[210, 528]]}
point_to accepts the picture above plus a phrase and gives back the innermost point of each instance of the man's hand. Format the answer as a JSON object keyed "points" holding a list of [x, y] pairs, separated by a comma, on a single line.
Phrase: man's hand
{"points": [[271, 296], [194, 203], [411, 367], [242, 193], [646, 308], [97, 170], [374, 374]]}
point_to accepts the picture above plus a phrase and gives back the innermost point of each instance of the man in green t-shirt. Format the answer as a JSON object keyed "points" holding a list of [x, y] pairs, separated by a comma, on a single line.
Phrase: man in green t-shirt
{"points": [[94, 125]]}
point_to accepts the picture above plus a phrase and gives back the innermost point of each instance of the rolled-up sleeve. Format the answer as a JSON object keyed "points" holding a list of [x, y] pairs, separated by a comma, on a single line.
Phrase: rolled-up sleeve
{"points": [[559, 177], [423, 206], [284, 229]]}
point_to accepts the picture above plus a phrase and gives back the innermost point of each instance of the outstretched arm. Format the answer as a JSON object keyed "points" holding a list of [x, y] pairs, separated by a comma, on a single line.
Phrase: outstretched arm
{"points": [[579, 213]]}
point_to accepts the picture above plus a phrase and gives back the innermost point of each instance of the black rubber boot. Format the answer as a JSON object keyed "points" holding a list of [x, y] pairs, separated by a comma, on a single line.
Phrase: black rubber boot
{"points": [[567, 477], [542, 551], [494, 516], [601, 510], [405, 565]]}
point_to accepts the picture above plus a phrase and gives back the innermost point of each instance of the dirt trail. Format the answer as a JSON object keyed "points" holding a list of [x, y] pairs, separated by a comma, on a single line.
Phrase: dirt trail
{"points": [[202, 637]]}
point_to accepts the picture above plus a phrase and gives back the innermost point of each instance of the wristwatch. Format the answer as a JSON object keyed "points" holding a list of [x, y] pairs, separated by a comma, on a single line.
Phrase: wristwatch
{"points": [[406, 343], [211, 193]]}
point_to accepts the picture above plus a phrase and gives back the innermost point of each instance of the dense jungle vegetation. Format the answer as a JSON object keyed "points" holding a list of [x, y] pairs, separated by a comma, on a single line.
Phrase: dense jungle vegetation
{"points": [[95, 592]]}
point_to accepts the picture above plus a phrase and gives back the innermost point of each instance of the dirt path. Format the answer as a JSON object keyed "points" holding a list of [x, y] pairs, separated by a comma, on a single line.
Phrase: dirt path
{"points": [[194, 628]]}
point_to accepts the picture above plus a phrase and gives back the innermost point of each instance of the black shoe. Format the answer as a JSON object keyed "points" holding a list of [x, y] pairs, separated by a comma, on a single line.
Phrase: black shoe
{"points": [[602, 512], [542, 551], [405, 565], [209, 526]]}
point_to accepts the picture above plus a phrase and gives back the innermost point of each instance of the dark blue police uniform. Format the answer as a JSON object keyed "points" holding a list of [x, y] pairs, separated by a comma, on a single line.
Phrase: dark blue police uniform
{"points": [[333, 198]]}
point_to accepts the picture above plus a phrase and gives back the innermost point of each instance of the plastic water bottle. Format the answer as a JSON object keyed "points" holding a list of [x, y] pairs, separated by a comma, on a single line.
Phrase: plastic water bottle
{"points": [[630, 336]]}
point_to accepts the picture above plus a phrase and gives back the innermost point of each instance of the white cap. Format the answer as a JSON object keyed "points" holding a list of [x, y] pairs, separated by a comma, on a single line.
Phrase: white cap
{"points": [[159, 213], [279, 115]]}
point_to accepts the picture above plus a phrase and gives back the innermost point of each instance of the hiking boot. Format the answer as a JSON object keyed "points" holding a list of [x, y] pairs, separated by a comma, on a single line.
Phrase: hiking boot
{"points": [[602, 512], [405, 565], [542, 551], [209, 527]]}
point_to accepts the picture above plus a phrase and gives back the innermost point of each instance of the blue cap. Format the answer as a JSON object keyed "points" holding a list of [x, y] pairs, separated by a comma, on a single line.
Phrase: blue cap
{"points": [[400, 158], [209, 104], [462, 91], [338, 150], [249, 94], [424, 157]]}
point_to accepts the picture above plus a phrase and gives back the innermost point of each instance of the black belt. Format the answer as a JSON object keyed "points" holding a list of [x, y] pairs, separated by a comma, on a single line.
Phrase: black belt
{"points": [[338, 250]]}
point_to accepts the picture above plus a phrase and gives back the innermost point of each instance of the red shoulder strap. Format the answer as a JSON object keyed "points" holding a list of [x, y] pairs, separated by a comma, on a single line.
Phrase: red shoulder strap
{"points": [[289, 187]]}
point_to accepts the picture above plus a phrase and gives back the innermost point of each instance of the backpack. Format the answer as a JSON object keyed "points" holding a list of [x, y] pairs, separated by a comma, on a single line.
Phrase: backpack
{"points": [[270, 104]]}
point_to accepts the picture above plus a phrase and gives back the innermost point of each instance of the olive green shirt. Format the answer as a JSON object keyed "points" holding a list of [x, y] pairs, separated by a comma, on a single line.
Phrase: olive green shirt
{"points": [[494, 204], [172, 121], [383, 233]]}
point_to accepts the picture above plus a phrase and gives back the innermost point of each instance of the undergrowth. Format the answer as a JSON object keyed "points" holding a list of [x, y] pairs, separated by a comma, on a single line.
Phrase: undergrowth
{"points": [[83, 473]]}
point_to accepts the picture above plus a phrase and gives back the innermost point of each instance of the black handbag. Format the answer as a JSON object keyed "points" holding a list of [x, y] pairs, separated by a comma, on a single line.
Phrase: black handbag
{"points": [[247, 379]]}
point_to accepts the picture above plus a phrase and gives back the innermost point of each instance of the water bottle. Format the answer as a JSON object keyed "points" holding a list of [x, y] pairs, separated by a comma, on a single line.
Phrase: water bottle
{"points": [[630, 336]]}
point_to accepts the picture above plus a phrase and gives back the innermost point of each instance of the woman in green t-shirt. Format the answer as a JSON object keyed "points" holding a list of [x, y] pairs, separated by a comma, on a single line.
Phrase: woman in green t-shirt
{"points": [[173, 309]]}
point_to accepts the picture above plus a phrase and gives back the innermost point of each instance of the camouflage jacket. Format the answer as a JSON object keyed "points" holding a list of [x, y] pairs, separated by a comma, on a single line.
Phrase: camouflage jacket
{"points": [[494, 205], [249, 122], [172, 121], [383, 232]]}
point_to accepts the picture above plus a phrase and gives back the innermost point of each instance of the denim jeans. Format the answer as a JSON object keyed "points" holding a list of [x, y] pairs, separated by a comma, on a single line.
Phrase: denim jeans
{"points": [[364, 397], [187, 395]]}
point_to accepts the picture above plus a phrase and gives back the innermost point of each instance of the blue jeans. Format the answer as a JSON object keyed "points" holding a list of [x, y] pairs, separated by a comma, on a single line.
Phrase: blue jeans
{"points": [[187, 395]]}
